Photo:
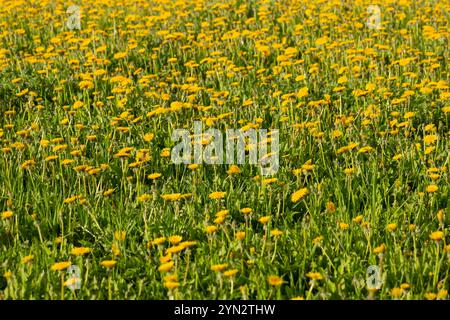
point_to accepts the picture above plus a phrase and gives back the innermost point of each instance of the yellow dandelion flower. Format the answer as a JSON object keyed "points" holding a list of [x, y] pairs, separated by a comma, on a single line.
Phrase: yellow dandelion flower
{"points": [[430, 296], [396, 292], [233, 170], [172, 197], [219, 267], [210, 229], [166, 258], [144, 197], [148, 137], [78, 251], [175, 239], [275, 280], [230, 273], [27, 259], [321, 41], [240, 235], [437, 235], [8, 275], [358, 219], [442, 294], [108, 192], [430, 139], [170, 277], [349, 171], [246, 210], [330, 207], [264, 219], [392, 227], [159, 241], [432, 188], [314, 275], [276, 233], [60, 266], [7, 214], [405, 286], [299, 195], [217, 195], [380, 249], [267, 181], [154, 176], [165, 267], [171, 285], [115, 250], [165, 153], [318, 239], [108, 263], [187, 244], [120, 235], [219, 220], [120, 55], [175, 249], [343, 226]]}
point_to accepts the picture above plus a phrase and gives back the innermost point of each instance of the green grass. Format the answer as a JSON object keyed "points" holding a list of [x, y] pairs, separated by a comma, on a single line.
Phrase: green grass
{"points": [[227, 52]]}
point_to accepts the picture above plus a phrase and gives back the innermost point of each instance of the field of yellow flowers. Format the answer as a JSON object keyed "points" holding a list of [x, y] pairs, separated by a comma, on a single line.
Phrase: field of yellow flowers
{"points": [[92, 207]]}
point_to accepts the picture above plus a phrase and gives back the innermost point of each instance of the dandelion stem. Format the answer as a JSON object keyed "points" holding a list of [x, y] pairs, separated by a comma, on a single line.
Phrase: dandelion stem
{"points": [[62, 286]]}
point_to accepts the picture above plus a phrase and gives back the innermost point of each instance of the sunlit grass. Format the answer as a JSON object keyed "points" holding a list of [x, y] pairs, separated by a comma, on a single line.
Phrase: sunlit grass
{"points": [[86, 178]]}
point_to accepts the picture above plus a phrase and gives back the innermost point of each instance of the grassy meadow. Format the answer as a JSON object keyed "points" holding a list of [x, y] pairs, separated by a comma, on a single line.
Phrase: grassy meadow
{"points": [[361, 100]]}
